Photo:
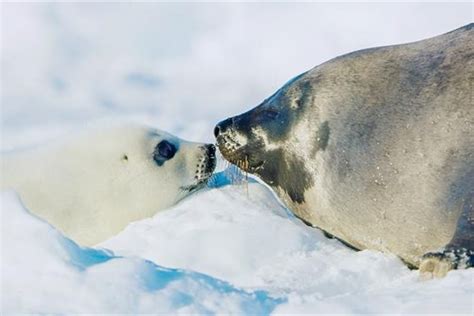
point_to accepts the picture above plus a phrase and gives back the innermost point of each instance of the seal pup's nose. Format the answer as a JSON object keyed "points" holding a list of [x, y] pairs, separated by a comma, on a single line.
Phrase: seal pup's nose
{"points": [[210, 150], [211, 158]]}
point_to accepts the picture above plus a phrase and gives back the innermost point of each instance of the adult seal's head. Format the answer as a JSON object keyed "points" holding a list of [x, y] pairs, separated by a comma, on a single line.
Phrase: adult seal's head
{"points": [[375, 147], [276, 139], [91, 186]]}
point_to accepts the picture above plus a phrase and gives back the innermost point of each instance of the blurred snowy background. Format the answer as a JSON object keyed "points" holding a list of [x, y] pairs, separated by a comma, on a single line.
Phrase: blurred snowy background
{"points": [[183, 67]]}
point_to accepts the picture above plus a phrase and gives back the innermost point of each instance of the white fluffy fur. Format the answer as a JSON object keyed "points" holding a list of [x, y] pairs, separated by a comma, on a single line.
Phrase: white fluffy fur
{"points": [[92, 186]]}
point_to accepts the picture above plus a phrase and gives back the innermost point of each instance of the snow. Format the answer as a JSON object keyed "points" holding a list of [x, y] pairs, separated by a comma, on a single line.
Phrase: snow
{"points": [[42, 271], [231, 248], [244, 236]]}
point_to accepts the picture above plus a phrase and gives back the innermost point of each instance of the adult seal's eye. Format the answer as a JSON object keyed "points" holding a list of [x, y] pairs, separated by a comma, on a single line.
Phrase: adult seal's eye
{"points": [[164, 151], [271, 114], [267, 114]]}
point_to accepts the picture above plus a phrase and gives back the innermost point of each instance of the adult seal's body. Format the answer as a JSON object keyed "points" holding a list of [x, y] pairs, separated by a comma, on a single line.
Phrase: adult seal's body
{"points": [[375, 147], [93, 185]]}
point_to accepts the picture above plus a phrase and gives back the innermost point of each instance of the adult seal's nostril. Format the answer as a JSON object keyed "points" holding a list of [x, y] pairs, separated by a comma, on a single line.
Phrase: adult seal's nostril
{"points": [[217, 131], [222, 127]]}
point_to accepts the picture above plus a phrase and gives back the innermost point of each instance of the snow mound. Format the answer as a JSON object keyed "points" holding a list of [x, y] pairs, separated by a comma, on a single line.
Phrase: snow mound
{"points": [[243, 235], [249, 253], [44, 272]]}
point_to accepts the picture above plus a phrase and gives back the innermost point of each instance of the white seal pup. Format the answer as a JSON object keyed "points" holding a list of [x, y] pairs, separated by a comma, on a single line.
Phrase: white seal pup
{"points": [[92, 186], [375, 147]]}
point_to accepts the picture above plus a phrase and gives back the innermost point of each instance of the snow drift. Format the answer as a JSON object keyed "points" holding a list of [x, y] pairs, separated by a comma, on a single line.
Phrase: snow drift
{"points": [[44, 272], [233, 249]]}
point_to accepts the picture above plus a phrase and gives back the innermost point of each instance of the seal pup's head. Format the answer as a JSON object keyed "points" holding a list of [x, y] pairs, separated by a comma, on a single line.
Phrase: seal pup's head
{"points": [[93, 185], [275, 139], [196, 161], [181, 166]]}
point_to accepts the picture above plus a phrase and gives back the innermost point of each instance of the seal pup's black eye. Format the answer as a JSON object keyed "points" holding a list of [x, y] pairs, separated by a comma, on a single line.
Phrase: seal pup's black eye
{"points": [[164, 151]]}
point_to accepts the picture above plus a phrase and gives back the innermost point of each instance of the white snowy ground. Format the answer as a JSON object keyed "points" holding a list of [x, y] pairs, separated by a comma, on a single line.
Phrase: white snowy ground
{"points": [[254, 258], [229, 248]]}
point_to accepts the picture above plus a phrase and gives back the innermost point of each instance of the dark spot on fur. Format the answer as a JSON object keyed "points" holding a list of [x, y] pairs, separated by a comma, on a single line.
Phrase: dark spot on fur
{"points": [[362, 132], [423, 71], [125, 157], [322, 138], [289, 174], [324, 132]]}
